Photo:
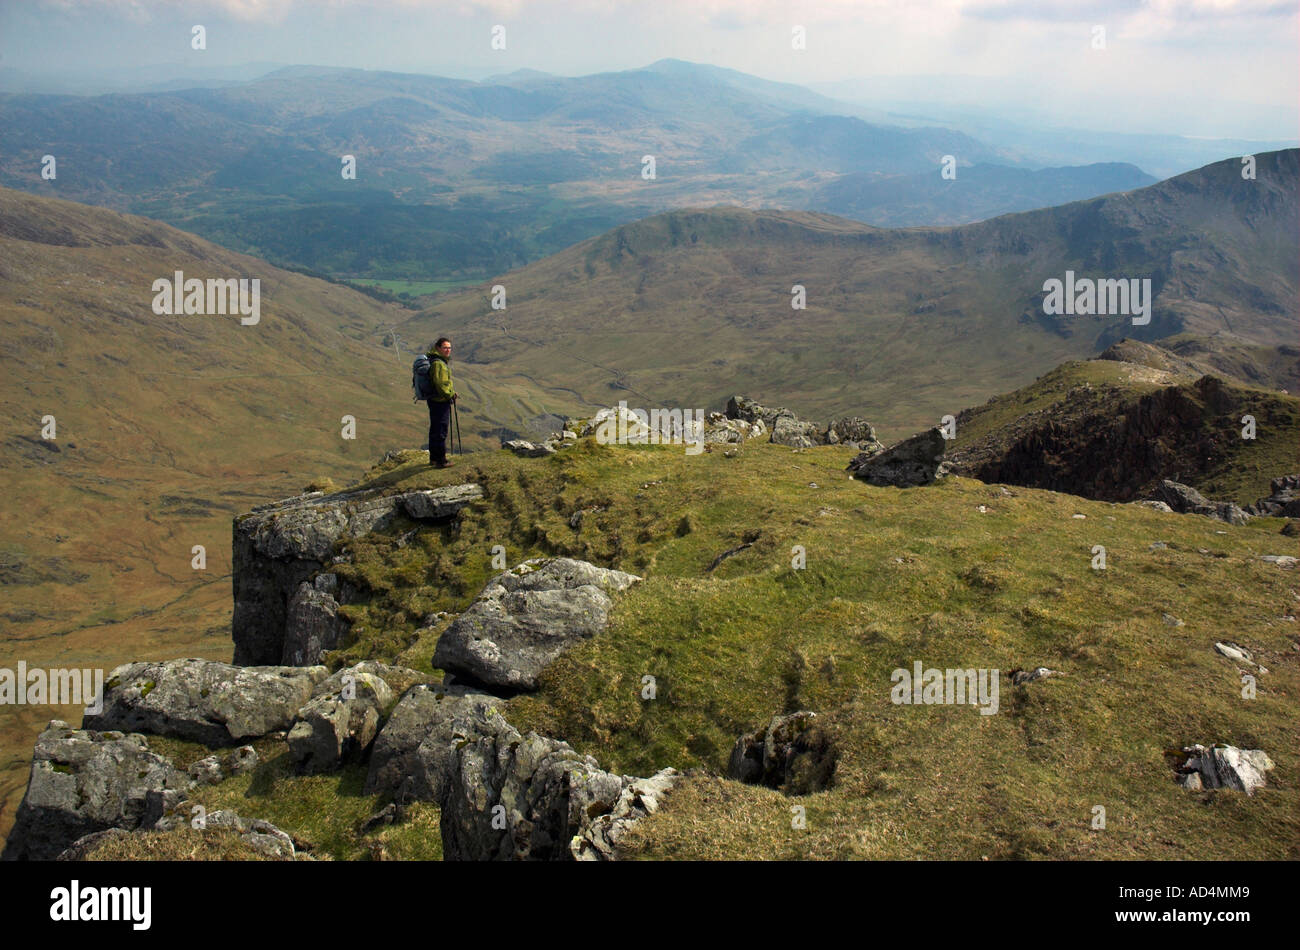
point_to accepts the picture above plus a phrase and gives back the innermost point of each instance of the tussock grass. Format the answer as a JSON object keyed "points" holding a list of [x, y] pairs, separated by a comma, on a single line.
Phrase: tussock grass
{"points": [[892, 576]]}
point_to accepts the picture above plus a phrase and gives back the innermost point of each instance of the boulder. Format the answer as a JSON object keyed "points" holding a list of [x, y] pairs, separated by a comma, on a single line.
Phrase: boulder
{"points": [[915, 461], [524, 619], [794, 754], [83, 781], [853, 432], [339, 722], [411, 754], [789, 429], [1223, 766], [203, 700], [526, 449], [1187, 500], [279, 546]]}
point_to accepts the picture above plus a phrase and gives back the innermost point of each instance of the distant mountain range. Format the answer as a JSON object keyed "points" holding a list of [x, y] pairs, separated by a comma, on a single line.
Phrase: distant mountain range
{"points": [[901, 326], [458, 179]]}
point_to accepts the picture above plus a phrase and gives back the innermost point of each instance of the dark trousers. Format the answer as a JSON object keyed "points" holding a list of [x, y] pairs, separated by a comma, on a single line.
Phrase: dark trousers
{"points": [[439, 423]]}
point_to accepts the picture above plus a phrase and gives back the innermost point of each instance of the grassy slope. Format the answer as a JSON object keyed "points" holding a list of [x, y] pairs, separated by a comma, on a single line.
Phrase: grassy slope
{"points": [[893, 576]]}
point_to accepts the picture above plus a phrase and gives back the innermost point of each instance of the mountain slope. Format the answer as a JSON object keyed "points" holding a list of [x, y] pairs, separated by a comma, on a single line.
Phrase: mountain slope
{"points": [[901, 326], [165, 428]]}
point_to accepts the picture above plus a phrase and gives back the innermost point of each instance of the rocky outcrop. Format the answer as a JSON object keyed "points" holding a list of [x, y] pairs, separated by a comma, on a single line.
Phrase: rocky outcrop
{"points": [[340, 721], [794, 754], [1283, 500], [524, 619], [503, 795], [279, 546], [1223, 766], [203, 700], [312, 625], [915, 461], [83, 781], [789, 429], [1187, 500], [853, 432], [507, 796], [599, 840]]}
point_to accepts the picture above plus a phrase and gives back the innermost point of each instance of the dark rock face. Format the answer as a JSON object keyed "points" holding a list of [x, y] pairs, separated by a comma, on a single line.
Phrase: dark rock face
{"points": [[280, 546], [524, 619], [794, 754], [1099, 448], [84, 781], [203, 700], [915, 461]]}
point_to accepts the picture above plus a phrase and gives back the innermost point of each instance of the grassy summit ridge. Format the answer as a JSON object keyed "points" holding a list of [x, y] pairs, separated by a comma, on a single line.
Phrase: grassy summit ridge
{"points": [[893, 576]]}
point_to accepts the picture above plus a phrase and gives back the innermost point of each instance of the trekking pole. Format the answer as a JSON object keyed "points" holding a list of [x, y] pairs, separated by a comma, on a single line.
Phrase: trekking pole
{"points": [[455, 416]]}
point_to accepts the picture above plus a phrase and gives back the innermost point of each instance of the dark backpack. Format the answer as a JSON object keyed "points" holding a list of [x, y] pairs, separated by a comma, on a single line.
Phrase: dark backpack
{"points": [[421, 386]]}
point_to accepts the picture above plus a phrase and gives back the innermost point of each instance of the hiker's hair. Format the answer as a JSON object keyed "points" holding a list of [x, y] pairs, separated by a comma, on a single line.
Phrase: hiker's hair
{"points": [[441, 341]]}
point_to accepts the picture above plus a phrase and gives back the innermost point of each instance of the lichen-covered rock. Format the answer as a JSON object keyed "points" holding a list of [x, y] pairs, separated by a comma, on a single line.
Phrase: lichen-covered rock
{"points": [[83, 781], [640, 797], [339, 722], [524, 619], [789, 429], [525, 449], [410, 757], [312, 623], [915, 461], [508, 796], [203, 700], [853, 432], [279, 546], [1223, 766]]}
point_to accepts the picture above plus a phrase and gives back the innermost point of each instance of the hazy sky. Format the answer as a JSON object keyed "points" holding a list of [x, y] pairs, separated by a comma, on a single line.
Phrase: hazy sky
{"points": [[1199, 67]]}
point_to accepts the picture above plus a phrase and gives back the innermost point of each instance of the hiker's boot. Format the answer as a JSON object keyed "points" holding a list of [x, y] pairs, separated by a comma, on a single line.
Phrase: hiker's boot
{"points": [[445, 463]]}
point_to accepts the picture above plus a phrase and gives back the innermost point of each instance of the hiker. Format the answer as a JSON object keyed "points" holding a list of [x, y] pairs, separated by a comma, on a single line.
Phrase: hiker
{"points": [[441, 398]]}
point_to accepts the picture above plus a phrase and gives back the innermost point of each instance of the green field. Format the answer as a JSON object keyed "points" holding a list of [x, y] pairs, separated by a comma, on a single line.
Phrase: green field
{"points": [[415, 288]]}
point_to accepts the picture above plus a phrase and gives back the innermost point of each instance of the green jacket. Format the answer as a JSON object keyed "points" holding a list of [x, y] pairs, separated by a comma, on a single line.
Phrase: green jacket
{"points": [[440, 378]]}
